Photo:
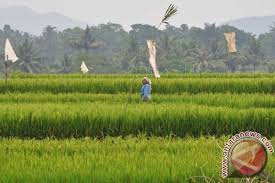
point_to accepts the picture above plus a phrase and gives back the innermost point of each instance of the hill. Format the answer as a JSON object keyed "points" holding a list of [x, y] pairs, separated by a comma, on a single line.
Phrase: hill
{"points": [[27, 20], [255, 25]]}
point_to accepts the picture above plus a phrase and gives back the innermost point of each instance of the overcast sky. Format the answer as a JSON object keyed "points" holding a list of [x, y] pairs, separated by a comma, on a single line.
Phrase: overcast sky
{"points": [[127, 12]]}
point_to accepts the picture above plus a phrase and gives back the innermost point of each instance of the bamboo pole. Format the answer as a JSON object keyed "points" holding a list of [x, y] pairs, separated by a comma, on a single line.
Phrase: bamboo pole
{"points": [[5, 69], [6, 72]]}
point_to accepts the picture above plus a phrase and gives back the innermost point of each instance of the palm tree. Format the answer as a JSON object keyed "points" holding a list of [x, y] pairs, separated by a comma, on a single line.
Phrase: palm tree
{"points": [[67, 63], [255, 55], [87, 42], [49, 43], [199, 57], [28, 58], [165, 41], [130, 55]]}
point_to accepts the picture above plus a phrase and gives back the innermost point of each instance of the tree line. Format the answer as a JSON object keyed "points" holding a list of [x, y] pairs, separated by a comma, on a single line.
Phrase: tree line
{"points": [[108, 48]]}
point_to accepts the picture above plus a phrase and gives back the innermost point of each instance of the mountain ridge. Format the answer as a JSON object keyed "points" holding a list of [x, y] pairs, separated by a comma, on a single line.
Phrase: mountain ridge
{"points": [[27, 20], [255, 24]]}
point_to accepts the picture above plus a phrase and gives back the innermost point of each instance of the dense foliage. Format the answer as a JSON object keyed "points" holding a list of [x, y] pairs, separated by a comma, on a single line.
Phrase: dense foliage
{"points": [[108, 48]]}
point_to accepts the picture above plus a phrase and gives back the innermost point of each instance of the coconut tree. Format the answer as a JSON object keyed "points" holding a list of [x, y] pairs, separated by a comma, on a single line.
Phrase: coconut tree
{"points": [[200, 58], [254, 54], [28, 58], [130, 55], [67, 64], [50, 44], [87, 41]]}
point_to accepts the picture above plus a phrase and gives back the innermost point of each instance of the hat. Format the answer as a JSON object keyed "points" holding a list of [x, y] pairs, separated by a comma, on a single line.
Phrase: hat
{"points": [[147, 80]]}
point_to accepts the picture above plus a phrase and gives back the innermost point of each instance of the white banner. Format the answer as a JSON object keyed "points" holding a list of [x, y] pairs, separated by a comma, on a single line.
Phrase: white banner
{"points": [[84, 68], [9, 52], [231, 41], [153, 57]]}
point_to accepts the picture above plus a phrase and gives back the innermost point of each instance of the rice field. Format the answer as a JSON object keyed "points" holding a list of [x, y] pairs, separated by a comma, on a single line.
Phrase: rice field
{"points": [[110, 84], [95, 128], [99, 119], [131, 159]]}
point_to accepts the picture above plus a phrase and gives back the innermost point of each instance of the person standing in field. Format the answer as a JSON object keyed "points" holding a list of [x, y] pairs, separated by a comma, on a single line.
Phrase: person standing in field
{"points": [[146, 89]]}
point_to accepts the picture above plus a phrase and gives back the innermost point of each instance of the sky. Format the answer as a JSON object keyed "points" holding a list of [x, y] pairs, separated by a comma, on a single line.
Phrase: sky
{"points": [[127, 12]]}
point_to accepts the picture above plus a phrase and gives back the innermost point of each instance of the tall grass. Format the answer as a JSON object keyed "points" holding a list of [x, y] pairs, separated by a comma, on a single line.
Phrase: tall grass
{"points": [[99, 120], [114, 160], [164, 75], [76, 106], [65, 106], [124, 85], [240, 101]]}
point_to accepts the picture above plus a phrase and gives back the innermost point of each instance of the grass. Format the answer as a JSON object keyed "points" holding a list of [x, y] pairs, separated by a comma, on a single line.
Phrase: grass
{"points": [[92, 130], [117, 85], [208, 99], [164, 75], [113, 160], [99, 119]]}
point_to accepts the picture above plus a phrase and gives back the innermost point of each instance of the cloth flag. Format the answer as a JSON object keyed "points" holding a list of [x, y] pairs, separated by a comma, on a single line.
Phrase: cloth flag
{"points": [[153, 57], [84, 68], [9, 52], [231, 41]]}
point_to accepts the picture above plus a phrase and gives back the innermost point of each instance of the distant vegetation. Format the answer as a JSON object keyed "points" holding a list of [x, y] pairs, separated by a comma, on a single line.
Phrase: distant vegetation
{"points": [[108, 48]]}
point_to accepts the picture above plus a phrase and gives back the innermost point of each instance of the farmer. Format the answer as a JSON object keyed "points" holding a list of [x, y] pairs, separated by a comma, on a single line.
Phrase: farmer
{"points": [[146, 89]]}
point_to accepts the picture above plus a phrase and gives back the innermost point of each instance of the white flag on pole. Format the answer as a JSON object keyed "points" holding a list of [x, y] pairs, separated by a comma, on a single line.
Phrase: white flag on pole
{"points": [[9, 52], [153, 57], [84, 68]]}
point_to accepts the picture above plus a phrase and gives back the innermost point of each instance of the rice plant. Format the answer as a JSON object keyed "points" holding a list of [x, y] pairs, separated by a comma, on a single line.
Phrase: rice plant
{"points": [[123, 85], [114, 160], [99, 120]]}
